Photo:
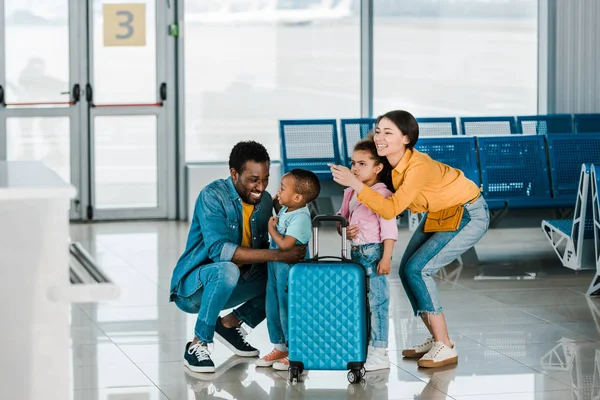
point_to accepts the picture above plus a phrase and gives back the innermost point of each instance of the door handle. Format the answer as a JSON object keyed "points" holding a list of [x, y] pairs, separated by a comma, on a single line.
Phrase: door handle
{"points": [[75, 93], [89, 95], [163, 91]]}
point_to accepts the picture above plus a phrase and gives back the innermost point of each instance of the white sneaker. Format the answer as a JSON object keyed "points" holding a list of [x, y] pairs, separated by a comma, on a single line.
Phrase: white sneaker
{"points": [[438, 356], [376, 359], [419, 350]]}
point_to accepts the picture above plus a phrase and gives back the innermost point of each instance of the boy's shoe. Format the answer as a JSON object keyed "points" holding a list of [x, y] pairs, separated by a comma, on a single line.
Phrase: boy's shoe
{"points": [[377, 359], [419, 350], [438, 356], [234, 339], [271, 358], [197, 358], [282, 365]]}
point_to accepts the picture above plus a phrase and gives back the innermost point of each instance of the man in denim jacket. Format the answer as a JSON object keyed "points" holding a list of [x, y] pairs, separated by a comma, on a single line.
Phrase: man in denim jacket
{"points": [[224, 262]]}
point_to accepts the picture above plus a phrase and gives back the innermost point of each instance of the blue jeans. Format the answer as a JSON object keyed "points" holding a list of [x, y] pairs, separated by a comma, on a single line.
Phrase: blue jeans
{"points": [[221, 286], [369, 255], [277, 302], [427, 253]]}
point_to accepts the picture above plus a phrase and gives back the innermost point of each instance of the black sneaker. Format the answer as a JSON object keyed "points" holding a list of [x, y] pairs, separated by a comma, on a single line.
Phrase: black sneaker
{"points": [[234, 339], [197, 358]]}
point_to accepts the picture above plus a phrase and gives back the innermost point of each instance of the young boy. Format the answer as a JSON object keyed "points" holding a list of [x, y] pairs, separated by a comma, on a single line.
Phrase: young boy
{"points": [[292, 226]]}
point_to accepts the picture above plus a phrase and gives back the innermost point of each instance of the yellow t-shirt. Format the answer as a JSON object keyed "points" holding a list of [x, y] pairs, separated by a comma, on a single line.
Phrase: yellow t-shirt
{"points": [[247, 210]]}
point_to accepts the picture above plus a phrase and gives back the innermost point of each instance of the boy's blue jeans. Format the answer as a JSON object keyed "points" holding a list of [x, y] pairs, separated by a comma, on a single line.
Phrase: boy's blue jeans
{"points": [[369, 255], [277, 302], [216, 287]]}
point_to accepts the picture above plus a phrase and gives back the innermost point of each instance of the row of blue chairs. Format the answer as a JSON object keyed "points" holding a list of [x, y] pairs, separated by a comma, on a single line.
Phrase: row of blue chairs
{"points": [[323, 133], [517, 171]]}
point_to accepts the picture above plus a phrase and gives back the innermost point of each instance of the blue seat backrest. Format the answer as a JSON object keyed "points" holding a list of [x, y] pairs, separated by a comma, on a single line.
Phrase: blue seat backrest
{"points": [[488, 126], [567, 153], [545, 124], [354, 130], [514, 169], [437, 126], [309, 144], [587, 123], [455, 151]]}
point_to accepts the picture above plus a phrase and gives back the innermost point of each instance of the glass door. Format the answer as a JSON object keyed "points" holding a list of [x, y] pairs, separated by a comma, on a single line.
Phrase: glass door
{"points": [[127, 100], [40, 90]]}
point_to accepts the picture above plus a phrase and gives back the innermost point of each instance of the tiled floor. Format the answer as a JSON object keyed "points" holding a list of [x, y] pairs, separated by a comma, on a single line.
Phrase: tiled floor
{"points": [[523, 327]]}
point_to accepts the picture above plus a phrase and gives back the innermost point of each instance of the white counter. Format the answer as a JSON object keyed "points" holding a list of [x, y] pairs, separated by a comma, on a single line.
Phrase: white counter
{"points": [[34, 260]]}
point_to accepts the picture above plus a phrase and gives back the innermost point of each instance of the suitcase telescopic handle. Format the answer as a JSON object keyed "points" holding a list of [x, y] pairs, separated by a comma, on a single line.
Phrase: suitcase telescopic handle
{"points": [[329, 218]]}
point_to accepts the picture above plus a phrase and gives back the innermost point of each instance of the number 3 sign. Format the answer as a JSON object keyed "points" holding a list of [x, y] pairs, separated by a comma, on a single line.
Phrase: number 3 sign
{"points": [[124, 24]]}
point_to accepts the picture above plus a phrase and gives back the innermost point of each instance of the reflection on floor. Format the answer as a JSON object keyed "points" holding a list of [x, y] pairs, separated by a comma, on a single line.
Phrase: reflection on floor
{"points": [[523, 327]]}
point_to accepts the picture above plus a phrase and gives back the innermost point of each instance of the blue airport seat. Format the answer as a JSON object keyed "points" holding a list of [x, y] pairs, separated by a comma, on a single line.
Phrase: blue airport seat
{"points": [[545, 124], [587, 123], [437, 126], [354, 130], [455, 151], [488, 126], [309, 144], [514, 169], [567, 153]]}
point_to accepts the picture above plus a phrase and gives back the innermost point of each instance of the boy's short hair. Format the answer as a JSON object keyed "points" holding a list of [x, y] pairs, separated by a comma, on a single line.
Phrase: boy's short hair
{"points": [[243, 152], [306, 183]]}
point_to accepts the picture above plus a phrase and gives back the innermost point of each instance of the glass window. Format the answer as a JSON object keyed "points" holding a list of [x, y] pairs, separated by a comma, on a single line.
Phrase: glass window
{"points": [[455, 58], [37, 52], [250, 63]]}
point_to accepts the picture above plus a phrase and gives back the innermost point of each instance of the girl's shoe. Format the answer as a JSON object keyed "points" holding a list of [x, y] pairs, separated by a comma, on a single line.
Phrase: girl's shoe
{"points": [[419, 350], [271, 358], [438, 356], [282, 365], [377, 359]]}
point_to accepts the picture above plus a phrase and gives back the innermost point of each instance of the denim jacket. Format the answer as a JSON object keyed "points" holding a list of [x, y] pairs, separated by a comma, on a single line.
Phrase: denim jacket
{"points": [[216, 230]]}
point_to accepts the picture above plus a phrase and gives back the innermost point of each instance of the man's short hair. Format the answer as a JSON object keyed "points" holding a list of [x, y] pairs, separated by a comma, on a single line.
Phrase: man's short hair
{"points": [[307, 184], [247, 151]]}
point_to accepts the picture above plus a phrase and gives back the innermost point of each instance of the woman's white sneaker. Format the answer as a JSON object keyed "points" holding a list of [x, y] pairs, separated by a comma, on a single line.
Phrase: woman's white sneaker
{"points": [[419, 350], [377, 359], [438, 356]]}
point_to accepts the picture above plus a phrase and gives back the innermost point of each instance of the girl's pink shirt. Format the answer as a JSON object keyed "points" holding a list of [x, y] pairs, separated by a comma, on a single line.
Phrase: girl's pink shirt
{"points": [[373, 228]]}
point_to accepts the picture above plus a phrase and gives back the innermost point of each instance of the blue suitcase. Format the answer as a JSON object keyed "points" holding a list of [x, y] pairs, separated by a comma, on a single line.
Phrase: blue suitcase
{"points": [[328, 313]]}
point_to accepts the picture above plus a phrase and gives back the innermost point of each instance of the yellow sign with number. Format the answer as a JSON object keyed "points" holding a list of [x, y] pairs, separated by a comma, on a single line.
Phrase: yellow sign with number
{"points": [[124, 24]]}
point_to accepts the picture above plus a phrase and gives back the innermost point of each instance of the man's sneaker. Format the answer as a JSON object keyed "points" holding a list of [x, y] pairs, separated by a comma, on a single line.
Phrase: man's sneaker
{"points": [[282, 365], [377, 359], [235, 339], [271, 358], [419, 350], [197, 358], [438, 356]]}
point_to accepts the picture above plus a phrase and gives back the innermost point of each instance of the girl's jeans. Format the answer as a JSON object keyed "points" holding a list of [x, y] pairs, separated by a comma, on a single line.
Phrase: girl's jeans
{"points": [[369, 255]]}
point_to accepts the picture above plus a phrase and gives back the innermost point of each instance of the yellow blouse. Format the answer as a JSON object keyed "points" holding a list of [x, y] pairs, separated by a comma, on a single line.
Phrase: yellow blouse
{"points": [[421, 184]]}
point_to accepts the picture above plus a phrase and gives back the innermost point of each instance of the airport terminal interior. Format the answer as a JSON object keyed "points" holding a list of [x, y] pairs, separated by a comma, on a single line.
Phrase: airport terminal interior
{"points": [[115, 114]]}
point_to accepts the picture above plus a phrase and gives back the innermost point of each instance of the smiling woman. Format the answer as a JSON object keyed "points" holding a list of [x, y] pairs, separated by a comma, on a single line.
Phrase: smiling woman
{"points": [[457, 218]]}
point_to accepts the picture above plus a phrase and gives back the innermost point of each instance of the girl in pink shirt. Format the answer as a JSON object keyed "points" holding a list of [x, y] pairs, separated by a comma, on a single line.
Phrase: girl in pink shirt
{"points": [[373, 240]]}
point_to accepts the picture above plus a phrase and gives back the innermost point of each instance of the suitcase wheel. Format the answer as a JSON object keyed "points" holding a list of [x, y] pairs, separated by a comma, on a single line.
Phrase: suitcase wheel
{"points": [[355, 375], [293, 374]]}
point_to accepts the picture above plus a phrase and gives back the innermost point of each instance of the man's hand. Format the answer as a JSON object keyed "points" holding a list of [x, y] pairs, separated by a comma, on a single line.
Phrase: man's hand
{"points": [[273, 224], [384, 266], [352, 232], [293, 255]]}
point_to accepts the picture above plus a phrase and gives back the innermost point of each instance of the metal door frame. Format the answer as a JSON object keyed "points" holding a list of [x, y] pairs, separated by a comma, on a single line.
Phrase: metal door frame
{"points": [[72, 112], [166, 149]]}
